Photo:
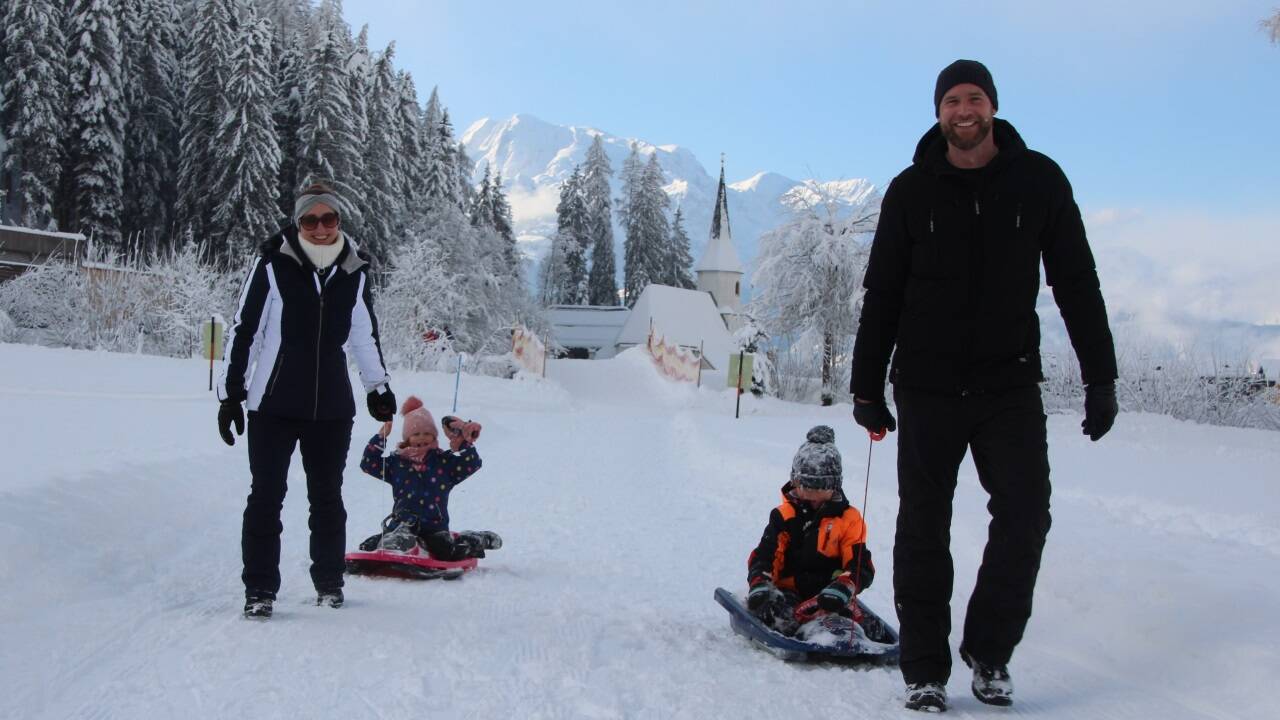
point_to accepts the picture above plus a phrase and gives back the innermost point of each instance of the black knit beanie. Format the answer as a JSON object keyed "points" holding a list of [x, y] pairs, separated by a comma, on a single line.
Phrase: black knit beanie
{"points": [[960, 72]]}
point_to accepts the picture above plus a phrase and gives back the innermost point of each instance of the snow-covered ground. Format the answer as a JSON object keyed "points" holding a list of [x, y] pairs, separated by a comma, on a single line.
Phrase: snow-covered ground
{"points": [[624, 501]]}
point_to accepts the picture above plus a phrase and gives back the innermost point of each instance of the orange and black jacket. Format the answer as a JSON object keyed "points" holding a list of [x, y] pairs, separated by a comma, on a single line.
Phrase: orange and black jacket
{"points": [[803, 548]]}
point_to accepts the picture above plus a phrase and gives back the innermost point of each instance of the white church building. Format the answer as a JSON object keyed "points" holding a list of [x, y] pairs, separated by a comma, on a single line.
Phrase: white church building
{"points": [[704, 318]]}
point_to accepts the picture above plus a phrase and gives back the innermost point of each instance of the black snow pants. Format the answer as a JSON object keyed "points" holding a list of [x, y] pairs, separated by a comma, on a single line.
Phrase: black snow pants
{"points": [[324, 445], [1006, 433]]}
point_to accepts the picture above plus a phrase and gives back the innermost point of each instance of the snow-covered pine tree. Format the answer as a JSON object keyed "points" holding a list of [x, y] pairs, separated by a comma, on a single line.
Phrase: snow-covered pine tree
{"points": [[808, 281], [1272, 27], [359, 70], [504, 223], [481, 206], [204, 76], [440, 177], [151, 138], [570, 243], [647, 232], [31, 104], [96, 138], [330, 148], [464, 167], [602, 286], [247, 212], [632, 169], [678, 258], [287, 111], [410, 170], [383, 198]]}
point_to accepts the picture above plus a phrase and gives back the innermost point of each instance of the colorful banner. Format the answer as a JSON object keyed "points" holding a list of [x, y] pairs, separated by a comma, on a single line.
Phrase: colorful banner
{"points": [[528, 350], [672, 360]]}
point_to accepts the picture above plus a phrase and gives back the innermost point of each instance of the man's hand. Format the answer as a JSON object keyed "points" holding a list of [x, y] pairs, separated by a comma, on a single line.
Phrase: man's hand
{"points": [[874, 415], [1100, 409], [385, 430]]}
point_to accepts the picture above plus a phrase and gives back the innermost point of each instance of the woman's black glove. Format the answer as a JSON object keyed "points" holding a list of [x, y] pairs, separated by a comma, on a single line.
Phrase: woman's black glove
{"points": [[229, 411], [382, 405], [1100, 409]]}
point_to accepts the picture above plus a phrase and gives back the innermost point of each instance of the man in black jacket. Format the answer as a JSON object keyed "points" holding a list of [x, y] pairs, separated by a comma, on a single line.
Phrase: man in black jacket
{"points": [[951, 291], [305, 304]]}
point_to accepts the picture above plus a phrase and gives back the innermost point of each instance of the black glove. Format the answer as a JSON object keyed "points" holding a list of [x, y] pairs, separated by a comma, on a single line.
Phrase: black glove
{"points": [[763, 595], [873, 415], [229, 411], [1100, 409], [382, 405], [836, 596]]}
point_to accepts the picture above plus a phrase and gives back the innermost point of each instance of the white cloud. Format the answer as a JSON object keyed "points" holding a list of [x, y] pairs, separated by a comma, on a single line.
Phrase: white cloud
{"points": [[1187, 263]]}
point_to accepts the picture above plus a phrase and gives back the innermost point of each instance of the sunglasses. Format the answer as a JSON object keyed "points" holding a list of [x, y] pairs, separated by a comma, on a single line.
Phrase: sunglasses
{"points": [[309, 222]]}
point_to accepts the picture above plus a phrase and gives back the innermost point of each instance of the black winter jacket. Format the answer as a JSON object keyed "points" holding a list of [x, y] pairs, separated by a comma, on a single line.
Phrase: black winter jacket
{"points": [[955, 271], [286, 353]]}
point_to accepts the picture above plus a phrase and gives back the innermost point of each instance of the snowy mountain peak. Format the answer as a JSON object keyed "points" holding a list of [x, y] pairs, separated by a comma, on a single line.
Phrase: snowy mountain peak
{"points": [[535, 157]]}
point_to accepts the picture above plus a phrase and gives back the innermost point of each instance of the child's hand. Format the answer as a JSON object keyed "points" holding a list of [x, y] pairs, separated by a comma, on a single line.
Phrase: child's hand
{"points": [[385, 430], [471, 431]]}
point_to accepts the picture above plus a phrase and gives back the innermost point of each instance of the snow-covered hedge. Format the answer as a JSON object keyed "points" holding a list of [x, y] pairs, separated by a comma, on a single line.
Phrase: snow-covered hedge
{"points": [[8, 331]]}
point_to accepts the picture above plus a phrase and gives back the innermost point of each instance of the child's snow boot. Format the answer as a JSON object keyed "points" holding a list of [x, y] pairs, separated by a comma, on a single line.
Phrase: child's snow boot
{"points": [[401, 539], [487, 539]]}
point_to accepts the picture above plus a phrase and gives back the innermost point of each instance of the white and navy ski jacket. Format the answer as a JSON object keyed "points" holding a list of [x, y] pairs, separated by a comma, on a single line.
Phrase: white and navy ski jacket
{"points": [[293, 329]]}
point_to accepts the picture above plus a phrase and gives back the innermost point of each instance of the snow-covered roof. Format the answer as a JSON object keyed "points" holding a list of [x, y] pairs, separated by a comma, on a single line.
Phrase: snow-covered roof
{"points": [[586, 326], [686, 317]]}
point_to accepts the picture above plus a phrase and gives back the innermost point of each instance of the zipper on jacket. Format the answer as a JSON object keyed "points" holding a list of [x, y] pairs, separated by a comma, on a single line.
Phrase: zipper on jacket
{"points": [[931, 220], [275, 376], [977, 209], [1017, 220], [315, 413]]}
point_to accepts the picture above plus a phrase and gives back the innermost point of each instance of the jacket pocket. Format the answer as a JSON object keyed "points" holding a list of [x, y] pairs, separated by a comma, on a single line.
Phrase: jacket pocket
{"points": [[275, 372]]}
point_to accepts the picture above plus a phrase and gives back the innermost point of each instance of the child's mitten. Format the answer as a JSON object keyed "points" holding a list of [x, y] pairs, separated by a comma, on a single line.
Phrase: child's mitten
{"points": [[838, 594], [762, 593]]}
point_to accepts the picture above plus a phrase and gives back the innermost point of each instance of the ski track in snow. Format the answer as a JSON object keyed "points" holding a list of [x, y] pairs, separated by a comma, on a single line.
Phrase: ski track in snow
{"points": [[623, 501]]}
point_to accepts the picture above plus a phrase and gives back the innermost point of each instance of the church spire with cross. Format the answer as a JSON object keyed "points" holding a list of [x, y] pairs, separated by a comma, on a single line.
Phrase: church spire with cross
{"points": [[719, 271]]}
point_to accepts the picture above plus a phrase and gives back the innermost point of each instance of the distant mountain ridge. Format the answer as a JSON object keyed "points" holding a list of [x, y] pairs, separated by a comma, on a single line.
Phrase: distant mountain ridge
{"points": [[535, 157]]}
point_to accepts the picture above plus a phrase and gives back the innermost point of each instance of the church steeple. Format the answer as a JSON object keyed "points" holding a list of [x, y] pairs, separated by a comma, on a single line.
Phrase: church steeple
{"points": [[720, 221], [720, 255], [719, 271]]}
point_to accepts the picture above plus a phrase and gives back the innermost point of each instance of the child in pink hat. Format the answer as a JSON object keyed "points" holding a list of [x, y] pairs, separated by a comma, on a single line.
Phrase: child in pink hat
{"points": [[421, 476]]}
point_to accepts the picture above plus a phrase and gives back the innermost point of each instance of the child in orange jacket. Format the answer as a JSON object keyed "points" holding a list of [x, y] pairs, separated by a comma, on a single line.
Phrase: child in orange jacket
{"points": [[812, 558]]}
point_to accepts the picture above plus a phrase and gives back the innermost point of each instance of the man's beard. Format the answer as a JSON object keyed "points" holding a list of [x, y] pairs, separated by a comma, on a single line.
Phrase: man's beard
{"points": [[953, 137]]}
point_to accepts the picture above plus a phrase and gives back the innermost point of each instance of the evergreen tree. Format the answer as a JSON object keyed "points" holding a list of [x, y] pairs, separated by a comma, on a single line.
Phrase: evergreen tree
{"points": [[504, 224], [247, 212], [287, 112], [647, 232], [151, 101], [383, 201], [96, 153], [31, 101], [679, 259], [410, 170], [632, 169], [602, 287], [481, 208], [440, 177], [464, 167], [330, 146], [571, 230], [204, 72]]}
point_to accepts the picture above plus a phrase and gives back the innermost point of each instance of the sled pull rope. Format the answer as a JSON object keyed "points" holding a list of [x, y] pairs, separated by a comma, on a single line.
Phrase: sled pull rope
{"points": [[866, 487]]}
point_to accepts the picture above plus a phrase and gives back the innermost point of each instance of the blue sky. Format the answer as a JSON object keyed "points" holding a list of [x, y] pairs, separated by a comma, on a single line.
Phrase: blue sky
{"points": [[1162, 112]]}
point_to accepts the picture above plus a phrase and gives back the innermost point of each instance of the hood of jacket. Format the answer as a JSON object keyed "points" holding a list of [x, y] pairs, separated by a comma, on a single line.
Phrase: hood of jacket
{"points": [[287, 243]]}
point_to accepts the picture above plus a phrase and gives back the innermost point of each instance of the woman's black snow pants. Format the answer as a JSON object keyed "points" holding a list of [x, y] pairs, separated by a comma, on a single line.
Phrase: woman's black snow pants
{"points": [[324, 445], [1006, 433]]}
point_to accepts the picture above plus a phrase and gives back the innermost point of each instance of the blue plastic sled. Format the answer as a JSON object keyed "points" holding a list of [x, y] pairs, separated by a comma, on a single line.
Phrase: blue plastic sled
{"points": [[834, 637]]}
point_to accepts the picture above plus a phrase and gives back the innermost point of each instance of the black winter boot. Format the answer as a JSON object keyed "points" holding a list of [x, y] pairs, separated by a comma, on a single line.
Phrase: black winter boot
{"points": [[257, 605], [991, 683], [926, 697], [487, 539], [331, 598]]}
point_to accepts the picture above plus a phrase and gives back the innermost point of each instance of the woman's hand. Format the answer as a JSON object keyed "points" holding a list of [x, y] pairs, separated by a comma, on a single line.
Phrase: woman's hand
{"points": [[385, 430]]}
